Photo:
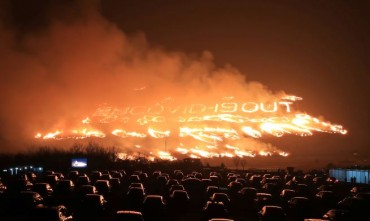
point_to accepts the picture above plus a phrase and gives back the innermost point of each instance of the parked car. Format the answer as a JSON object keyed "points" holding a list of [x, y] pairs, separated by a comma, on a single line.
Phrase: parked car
{"points": [[287, 194], [214, 210], [134, 198], [103, 187], [83, 180], [248, 193], [27, 200], [91, 207], [337, 215], [153, 208], [263, 199], [138, 185], [2, 188], [86, 189], [94, 202], [221, 197], [178, 201], [220, 219], [300, 207], [272, 213], [44, 189], [45, 213], [128, 215], [64, 187]]}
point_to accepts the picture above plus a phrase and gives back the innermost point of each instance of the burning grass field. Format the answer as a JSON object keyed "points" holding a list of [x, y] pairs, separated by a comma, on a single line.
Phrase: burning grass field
{"points": [[168, 130]]}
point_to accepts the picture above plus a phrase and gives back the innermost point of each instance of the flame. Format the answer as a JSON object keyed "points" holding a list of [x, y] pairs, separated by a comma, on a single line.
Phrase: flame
{"points": [[158, 133], [252, 132], [241, 153], [203, 153], [74, 134], [264, 153], [209, 135], [182, 150], [284, 154], [51, 135], [86, 120], [124, 134], [227, 154], [292, 98], [166, 156], [274, 129], [85, 133], [218, 130]]}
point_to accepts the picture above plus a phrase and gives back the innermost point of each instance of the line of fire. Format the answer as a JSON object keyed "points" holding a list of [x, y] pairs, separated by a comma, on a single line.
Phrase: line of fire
{"points": [[224, 129]]}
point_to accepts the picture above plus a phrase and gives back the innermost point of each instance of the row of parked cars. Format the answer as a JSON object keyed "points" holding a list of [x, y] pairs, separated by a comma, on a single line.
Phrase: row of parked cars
{"points": [[176, 195]]}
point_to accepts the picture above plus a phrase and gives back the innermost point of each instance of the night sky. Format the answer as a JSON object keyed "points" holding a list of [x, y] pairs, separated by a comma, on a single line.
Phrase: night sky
{"points": [[318, 50]]}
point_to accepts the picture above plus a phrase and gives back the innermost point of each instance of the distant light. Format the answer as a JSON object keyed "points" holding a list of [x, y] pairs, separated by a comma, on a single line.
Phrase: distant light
{"points": [[25, 168], [16, 168], [5, 170], [31, 167]]}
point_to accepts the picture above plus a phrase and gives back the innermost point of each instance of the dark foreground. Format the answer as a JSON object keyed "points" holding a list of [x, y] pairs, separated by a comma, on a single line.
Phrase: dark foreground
{"points": [[183, 194]]}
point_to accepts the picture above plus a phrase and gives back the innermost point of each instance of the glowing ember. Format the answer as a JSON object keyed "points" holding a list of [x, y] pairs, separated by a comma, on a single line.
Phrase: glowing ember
{"points": [[123, 134], [240, 153], [251, 132], [182, 150], [226, 129], [85, 133], [52, 135], [292, 98], [165, 156], [86, 120], [264, 153], [158, 134]]}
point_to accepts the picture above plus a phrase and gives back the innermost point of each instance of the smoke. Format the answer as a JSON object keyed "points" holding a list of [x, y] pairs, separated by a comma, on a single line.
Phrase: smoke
{"points": [[57, 72]]}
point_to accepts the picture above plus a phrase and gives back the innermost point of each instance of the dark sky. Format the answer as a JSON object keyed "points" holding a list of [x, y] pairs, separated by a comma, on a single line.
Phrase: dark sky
{"points": [[318, 50]]}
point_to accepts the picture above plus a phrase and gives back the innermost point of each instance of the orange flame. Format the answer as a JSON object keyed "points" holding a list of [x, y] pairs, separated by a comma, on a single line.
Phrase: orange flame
{"points": [[158, 133], [218, 130], [123, 134]]}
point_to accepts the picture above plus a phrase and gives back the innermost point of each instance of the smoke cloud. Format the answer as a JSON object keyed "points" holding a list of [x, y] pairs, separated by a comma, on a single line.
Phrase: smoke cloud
{"points": [[60, 72]]}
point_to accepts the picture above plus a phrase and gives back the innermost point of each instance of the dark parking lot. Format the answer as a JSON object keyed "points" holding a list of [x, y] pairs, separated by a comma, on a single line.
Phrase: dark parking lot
{"points": [[180, 195]]}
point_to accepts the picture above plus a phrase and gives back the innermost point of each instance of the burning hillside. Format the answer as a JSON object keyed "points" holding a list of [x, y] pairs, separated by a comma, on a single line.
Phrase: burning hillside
{"points": [[225, 129], [83, 77]]}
